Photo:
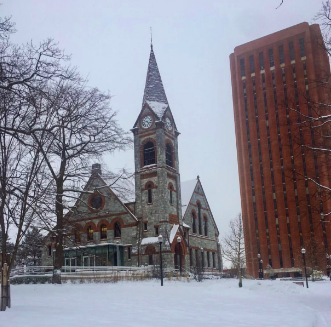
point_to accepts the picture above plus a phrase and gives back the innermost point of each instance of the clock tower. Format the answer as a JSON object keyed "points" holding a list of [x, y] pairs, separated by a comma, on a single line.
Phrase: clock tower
{"points": [[157, 179]]}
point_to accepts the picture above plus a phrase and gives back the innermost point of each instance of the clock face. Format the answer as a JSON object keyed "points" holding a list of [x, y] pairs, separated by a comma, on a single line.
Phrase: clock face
{"points": [[146, 122], [168, 123]]}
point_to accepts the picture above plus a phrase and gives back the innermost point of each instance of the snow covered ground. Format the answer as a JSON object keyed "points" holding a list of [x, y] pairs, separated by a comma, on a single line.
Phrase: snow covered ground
{"points": [[143, 304]]}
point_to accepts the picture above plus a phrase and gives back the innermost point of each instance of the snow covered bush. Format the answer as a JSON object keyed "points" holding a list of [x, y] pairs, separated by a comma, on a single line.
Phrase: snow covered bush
{"points": [[17, 280], [317, 275]]}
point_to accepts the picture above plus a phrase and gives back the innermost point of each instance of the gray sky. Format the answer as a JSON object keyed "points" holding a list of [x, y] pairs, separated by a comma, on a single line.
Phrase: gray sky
{"points": [[110, 42]]}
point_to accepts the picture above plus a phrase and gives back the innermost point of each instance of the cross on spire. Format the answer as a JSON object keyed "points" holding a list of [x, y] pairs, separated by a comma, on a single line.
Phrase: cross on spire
{"points": [[151, 38]]}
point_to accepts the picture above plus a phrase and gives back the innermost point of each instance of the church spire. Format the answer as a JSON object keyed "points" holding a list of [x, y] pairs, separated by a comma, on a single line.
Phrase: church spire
{"points": [[154, 90]]}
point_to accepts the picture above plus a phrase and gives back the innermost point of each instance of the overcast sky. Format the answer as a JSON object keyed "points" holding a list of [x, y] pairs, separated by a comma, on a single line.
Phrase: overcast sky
{"points": [[110, 43]]}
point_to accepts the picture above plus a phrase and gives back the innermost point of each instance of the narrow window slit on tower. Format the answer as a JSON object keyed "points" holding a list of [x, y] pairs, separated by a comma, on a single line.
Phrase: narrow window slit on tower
{"points": [[149, 193], [170, 194]]}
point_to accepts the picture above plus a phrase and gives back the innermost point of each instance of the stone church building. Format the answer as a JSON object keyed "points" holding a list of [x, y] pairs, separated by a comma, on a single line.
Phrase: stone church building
{"points": [[106, 231]]}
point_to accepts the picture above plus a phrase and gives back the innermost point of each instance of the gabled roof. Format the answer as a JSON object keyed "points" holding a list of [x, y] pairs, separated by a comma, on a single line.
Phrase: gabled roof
{"points": [[187, 189], [159, 108], [209, 207], [102, 186]]}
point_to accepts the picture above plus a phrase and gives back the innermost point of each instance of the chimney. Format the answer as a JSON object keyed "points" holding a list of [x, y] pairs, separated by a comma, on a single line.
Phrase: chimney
{"points": [[96, 169]]}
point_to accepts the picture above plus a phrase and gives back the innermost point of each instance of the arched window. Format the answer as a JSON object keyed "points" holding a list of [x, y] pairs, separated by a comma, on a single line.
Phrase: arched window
{"points": [[149, 153], [194, 223], [199, 217], [170, 193], [206, 225], [90, 233], [149, 193], [103, 232], [77, 236], [117, 229], [169, 161]]}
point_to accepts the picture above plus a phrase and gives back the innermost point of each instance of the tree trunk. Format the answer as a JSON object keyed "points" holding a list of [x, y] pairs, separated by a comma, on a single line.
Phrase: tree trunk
{"points": [[59, 254], [4, 288], [240, 279], [239, 268]]}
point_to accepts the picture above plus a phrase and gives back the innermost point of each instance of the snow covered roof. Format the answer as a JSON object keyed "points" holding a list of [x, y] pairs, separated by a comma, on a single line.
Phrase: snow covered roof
{"points": [[93, 246], [173, 232], [159, 108], [149, 240], [112, 189], [187, 189], [154, 90]]}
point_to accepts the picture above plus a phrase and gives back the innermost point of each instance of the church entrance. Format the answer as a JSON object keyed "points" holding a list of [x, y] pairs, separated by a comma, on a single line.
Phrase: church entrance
{"points": [[150, 251], [179, 254]]}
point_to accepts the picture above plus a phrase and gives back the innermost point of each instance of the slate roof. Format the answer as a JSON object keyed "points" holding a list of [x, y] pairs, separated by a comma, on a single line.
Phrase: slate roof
{"points": [[187, 189], [154, 94]]}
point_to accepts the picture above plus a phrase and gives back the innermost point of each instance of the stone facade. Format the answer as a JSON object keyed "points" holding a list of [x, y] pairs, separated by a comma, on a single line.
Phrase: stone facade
{"points": [[105, 231]]}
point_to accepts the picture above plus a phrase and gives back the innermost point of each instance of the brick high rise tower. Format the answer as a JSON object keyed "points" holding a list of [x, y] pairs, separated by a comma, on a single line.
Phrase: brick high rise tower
{"points": [[273, 86]]}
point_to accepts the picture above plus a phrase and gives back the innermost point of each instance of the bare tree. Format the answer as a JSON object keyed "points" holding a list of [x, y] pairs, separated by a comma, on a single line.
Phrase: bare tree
{"points": [[6, 27], [315, 255], [22, 184], [56, 115], [233, 246], [324, 18], [282, 1], [71, 125]]}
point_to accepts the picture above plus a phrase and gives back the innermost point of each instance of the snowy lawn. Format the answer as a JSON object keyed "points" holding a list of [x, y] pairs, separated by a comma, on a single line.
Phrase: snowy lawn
{"points": [[143, 304]]}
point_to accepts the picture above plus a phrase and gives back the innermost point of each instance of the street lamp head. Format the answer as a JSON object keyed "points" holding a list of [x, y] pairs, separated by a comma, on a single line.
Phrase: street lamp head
{"points": [[261, 261], [201, 249], [259, 255], [179, 239], [160, 238], [303, 250]]}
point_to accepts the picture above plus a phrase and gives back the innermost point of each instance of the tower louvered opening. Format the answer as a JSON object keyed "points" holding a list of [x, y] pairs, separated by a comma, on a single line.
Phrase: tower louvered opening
{"points": [[149, 154], [169, 160]]}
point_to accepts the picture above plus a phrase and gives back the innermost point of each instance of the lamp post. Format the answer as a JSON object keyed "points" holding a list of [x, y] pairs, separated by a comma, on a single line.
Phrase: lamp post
{"points": [[259, 256], [261, 261], [328, 266], [160, 239], [303, 251], [201, 249], [179, 240]]}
